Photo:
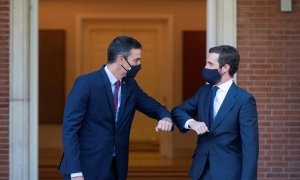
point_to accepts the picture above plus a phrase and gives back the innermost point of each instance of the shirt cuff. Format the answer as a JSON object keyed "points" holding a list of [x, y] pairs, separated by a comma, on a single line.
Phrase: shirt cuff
{"points": [[186, 124], [166, 119], [76, 174]]}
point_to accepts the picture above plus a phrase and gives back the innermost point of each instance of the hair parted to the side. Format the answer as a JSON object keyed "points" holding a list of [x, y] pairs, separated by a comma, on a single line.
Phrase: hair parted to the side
{"points": [[227, 55], [121, 45]]}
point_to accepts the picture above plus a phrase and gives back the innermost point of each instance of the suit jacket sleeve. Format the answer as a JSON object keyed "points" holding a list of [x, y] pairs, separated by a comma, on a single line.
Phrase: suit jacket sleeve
{"points": [[150, 106], [185, 111], [249, 135], [75, 109]]}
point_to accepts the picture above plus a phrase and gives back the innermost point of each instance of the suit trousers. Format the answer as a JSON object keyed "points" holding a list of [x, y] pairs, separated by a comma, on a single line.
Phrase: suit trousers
{"points": [[113, 171], [206, 172], [111, 175]]}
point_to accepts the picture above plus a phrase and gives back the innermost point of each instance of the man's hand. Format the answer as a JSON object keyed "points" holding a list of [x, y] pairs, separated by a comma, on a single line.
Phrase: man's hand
{"points": [[198, 127], [77, 178], [164, 124]]}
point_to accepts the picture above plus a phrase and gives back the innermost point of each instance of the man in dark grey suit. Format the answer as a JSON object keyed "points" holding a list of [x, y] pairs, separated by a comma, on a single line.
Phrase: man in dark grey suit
{"points": [[227, 127]]}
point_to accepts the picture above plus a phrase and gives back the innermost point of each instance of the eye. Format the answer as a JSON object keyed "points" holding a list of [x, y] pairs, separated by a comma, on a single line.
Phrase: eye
{"points": [[137, 61]]}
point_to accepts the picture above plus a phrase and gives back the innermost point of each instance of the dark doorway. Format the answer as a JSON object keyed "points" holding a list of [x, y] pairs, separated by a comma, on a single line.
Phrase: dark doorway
{"points": [[51, 75], [51, 100], [194, 58]]}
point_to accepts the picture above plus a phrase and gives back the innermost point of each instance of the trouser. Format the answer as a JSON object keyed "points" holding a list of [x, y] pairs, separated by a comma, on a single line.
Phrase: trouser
{"points": [[111, 175], [206, 172], [113, 171]]}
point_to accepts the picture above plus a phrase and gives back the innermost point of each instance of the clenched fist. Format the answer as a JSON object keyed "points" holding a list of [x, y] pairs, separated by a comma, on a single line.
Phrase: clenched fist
{"points": [[164, 124], [198, 127]]}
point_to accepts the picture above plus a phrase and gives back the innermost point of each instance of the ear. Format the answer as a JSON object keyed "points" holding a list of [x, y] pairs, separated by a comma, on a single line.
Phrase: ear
{"points": [[226, 67], [119, 59]]}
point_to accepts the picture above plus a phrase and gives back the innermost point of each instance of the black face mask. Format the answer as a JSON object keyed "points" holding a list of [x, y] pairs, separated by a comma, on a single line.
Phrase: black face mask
{"points": [[211, 76], [133, 70]]}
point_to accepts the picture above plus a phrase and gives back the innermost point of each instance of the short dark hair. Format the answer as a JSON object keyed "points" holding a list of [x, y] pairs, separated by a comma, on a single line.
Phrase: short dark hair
{"points": [[227, 55], [121, 45]]}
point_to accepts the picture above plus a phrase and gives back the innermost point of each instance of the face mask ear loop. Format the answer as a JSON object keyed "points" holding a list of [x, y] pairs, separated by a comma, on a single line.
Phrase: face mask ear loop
{"points": [[127, 63], [221, 69], [124, 68]]}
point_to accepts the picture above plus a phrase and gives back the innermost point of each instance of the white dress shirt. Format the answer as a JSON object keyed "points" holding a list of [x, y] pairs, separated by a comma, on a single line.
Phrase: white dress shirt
{"points": [[220, 96]]}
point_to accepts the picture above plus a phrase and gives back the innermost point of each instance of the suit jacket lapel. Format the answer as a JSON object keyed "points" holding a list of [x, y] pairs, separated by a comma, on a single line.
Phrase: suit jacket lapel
{"points": [[123, 100], [227, 105], [205, 107], [108, 90]]}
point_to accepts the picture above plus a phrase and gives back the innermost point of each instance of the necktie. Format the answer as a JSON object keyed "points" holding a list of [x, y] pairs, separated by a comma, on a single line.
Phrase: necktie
{"points": [[116, 93], [211, 108]]}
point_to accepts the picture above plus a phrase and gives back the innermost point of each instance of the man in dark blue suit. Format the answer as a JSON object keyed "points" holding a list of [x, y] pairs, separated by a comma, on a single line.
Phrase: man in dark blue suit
{"points": [[99, 113], [227, 127]]}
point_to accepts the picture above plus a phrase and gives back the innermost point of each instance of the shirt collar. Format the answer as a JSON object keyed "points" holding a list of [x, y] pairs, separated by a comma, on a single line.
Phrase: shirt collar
{"points": [[225, 86], [111, 77]]}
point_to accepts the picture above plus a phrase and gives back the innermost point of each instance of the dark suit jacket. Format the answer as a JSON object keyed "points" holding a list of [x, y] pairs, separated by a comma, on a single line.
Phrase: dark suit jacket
{"points": [[89, 129], [231, 146]]}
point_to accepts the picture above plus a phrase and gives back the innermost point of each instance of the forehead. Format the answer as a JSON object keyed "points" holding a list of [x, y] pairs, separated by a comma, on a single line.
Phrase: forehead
{"points": [[135, 53]]}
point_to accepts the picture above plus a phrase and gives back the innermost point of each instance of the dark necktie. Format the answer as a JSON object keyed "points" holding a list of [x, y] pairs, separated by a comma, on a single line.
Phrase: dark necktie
{"points": [[211, 107], [116, 94]]}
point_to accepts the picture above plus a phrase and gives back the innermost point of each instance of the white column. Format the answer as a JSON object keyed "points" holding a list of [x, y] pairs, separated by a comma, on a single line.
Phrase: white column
{"points": [[211, 24], [23, 90], [221, 22], [226, 22], [33, 91]]}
